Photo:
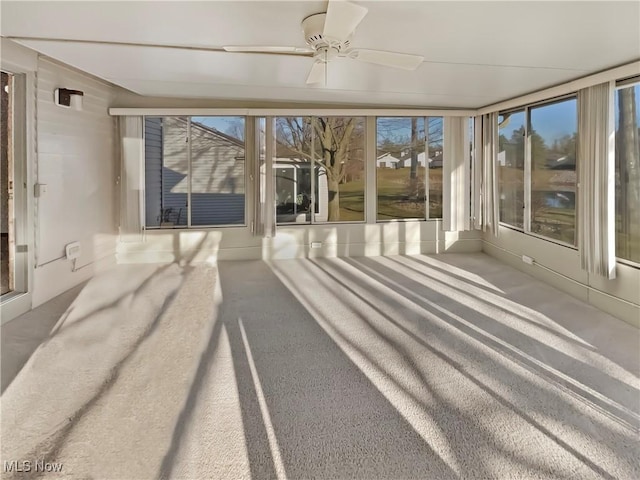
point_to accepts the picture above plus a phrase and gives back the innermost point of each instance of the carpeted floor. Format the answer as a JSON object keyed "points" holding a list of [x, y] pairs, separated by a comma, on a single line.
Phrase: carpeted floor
{"points": [[431, 367]]}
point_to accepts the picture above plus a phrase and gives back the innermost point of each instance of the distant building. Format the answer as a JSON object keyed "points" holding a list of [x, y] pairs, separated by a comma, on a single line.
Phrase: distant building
{"points": [[386, 160], [389, 161]]}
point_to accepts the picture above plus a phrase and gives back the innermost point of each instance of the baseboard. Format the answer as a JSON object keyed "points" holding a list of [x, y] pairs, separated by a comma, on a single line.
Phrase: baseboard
{"points": [[14, 305], [276, 249], [617, 307]]}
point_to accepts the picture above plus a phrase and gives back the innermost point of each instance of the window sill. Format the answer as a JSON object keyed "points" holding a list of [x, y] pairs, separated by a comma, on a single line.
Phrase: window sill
{"points": [[404, 220], [628, 263], [540, 237], [184, 228]]}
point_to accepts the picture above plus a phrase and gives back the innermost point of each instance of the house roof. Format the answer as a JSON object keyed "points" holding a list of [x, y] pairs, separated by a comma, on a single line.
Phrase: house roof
{"points": [[224, 175]]}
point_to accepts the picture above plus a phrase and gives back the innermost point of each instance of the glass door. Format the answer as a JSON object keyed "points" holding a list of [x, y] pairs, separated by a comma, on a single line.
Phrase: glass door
{"points": [[6, 187]]}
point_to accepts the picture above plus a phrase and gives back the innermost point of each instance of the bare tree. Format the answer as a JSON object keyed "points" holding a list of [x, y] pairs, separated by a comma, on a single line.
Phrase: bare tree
{"points": [[332, 138], [629, 166], [413, 174]]}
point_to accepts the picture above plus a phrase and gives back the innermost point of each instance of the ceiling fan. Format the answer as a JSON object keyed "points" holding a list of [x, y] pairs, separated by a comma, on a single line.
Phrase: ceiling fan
{"points": [[328, 36]]}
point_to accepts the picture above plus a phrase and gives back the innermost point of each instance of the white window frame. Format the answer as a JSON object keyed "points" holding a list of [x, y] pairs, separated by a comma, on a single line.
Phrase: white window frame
{"points": [[314, 162], [248, 149], [526, 109], [626, 83], [374, 156]]}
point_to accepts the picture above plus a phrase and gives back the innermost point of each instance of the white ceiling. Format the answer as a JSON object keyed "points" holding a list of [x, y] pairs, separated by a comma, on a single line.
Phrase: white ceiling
{"points": [[476, 53]]}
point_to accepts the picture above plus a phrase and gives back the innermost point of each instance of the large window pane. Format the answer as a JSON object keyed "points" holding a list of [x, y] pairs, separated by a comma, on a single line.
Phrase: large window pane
{"points": [[511, 148], [216, 183], [166, 171], [217, 170], [401, 167], [434, 140], [323, 155], [292, 169], [339, 156], [553, 170], [628, 173]]}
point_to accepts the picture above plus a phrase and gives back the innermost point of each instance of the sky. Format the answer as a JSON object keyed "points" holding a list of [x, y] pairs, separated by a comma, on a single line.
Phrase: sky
{"points": [[552, 121], [559, 119], [222, 124]]}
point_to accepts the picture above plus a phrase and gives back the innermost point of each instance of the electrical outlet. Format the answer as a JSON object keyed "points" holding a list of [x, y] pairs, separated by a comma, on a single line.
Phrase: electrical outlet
{"points": [[39, 189], [72, 250], [316, 244], [528, 260]]}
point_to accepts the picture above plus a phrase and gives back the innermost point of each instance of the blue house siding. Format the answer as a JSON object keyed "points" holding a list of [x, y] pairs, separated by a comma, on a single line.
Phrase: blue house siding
{"points": [[217, 209]]}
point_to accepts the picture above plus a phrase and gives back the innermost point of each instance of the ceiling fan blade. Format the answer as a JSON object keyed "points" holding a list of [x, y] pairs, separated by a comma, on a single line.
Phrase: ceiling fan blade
{"points": [[342, 19], [318, 72], [388, 59], [266, 49], [113, 43], [303, 51]]}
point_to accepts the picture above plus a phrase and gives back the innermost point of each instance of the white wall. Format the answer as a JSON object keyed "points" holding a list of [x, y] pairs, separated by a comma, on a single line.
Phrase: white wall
{"points": [[72, 152], [390, 238], [559, 266], [76, 159]]}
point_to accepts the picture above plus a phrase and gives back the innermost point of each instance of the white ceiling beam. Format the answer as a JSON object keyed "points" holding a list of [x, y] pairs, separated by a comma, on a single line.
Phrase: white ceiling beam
{"points": [[617, 73], [288, 112]]}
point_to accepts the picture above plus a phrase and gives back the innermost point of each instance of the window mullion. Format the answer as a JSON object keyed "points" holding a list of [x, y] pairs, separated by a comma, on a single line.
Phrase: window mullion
{"points": [[426, 170], [527, 173], [371, 188], [188, 141], [312, 216]]}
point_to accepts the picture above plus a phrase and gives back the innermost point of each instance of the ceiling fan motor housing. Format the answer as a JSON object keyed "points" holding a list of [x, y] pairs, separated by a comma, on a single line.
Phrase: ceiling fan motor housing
{"points": [[313, 26]]}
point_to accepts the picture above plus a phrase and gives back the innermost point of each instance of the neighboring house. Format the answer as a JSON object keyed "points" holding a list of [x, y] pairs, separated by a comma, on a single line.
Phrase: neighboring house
{"points": [[405, 160], [217, 174], [386, 160], [436, 160], [293, 190], [389, 161]]}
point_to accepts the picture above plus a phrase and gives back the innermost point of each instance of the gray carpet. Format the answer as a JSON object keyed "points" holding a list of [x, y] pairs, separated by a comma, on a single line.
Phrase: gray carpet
{"points": [[21, 336], [450, 366]]}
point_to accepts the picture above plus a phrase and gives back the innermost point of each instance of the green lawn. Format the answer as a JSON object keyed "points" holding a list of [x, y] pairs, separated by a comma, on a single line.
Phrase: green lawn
{"points": [[395, 199], [352, 201]]}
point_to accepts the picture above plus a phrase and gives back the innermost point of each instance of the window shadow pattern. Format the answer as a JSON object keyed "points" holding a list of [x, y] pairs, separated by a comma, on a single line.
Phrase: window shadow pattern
{"points": [[329, 419], [384, 367], [567, 407]]}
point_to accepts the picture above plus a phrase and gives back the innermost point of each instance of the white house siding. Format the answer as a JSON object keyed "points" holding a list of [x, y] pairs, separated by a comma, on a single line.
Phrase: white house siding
{"points": [[76, 159], [387, 161]]}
